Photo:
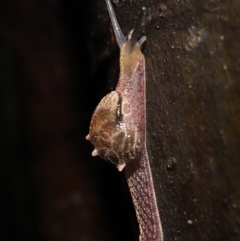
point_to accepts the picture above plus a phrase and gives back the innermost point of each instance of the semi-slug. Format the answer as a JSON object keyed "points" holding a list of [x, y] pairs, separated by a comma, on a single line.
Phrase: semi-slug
{"points": [[118, 129]]}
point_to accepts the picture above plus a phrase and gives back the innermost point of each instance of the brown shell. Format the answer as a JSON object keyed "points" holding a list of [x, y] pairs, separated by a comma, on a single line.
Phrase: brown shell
{"points": [[112, 138]]}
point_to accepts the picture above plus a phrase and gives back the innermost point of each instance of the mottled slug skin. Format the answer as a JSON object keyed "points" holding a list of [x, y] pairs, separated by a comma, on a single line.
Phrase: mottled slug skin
{"points": [[132, 86], [142, 191]]}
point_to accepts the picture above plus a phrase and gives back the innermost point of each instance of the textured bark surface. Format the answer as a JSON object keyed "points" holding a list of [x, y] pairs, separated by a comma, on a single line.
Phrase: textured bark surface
{"points": [[193, 113]]}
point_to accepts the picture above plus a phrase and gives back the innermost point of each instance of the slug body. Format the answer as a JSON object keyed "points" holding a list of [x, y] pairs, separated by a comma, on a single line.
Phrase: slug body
{"points": [[118, 130]]}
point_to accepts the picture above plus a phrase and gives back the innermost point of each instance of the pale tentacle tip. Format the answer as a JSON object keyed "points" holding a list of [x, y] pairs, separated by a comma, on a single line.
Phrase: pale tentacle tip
{"points": [[130, 34], [142, 40], [95, 152], [88, 137], [121, 166]]}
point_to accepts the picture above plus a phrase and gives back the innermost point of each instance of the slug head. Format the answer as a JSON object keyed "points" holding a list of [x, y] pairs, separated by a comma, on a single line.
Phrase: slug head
{"points": [[130, 50], [129, 59]]}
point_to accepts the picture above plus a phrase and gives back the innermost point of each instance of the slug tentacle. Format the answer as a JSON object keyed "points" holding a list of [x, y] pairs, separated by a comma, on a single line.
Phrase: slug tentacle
{"points": [[136, 30], [116, 28], [142, 40]]}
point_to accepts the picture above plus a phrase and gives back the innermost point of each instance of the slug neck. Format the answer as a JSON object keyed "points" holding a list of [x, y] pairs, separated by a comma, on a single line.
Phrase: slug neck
{"points": [[129, 59]]}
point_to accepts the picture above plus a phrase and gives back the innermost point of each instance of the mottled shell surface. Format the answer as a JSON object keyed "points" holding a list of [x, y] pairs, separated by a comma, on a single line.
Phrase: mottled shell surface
{"points": [[113, 139]]}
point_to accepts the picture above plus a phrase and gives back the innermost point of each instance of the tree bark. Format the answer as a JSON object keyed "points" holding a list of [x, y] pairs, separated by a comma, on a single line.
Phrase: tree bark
{"points": [[193, 113]]}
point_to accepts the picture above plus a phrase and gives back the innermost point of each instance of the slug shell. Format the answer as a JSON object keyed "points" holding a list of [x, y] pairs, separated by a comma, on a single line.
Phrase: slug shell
{"points": [[113, 139]]}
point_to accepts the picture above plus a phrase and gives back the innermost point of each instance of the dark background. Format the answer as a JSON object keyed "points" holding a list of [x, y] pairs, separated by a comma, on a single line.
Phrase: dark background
{"points": [[52, 77], [58, 59]]}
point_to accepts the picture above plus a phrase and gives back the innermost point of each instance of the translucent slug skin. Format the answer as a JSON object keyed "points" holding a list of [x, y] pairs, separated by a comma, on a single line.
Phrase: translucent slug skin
{"points": [[132, 87]]}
